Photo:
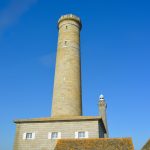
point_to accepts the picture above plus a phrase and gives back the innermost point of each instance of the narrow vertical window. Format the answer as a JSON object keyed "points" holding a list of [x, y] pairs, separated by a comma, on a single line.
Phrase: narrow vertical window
{"points": [[65, 42]]}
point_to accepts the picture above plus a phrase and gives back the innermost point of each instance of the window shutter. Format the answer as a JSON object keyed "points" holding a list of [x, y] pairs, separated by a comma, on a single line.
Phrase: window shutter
{"points": [[59, 135], [33, 135], [49, 135], [24, 136], [86, 134], [76, 135]]}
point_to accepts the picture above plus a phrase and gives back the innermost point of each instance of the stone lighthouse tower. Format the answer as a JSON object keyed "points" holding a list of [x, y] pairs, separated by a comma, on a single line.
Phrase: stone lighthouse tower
{"points": [[67, 99]]}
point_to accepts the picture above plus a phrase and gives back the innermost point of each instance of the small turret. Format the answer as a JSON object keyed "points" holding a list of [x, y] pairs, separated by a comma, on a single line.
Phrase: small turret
{"points": [[102, 110]]}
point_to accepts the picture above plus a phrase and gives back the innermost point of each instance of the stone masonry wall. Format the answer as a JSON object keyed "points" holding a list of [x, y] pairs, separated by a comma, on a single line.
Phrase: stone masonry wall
{"points": [[41, 141]]}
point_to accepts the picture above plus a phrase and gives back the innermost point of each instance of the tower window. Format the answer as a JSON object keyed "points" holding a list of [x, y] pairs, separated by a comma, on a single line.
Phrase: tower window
{"points": [[65, 42], [66, 27]]}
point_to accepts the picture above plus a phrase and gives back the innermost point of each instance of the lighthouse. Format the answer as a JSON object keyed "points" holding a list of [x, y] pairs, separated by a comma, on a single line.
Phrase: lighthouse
{"points": [[67, 97]]}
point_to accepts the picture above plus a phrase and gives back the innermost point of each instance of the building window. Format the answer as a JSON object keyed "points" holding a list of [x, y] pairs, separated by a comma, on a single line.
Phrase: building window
{"points": [[66, 27], [29, 136], [81, 134], [54, 135], [65, 42]]}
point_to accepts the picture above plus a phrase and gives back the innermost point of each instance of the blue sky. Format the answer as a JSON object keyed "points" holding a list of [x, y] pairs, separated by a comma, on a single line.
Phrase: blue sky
{"points": [[115, 53]]}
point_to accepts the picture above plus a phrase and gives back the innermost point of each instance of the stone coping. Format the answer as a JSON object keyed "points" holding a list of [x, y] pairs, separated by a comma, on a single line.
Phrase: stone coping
{"points": [[56, 119], [70, 17]]}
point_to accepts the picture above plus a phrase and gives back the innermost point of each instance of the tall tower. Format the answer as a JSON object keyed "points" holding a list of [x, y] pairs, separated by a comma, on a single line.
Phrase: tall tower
{"points": [[102, 110], [67, 98]]}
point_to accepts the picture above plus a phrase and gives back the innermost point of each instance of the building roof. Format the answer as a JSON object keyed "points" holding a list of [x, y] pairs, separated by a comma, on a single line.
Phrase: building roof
{"points": [[95, 144], [147, 145], [56, 119]]}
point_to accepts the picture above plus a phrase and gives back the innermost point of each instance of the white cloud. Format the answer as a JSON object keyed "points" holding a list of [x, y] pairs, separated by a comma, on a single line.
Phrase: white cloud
{"points": [[13, 12]]}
